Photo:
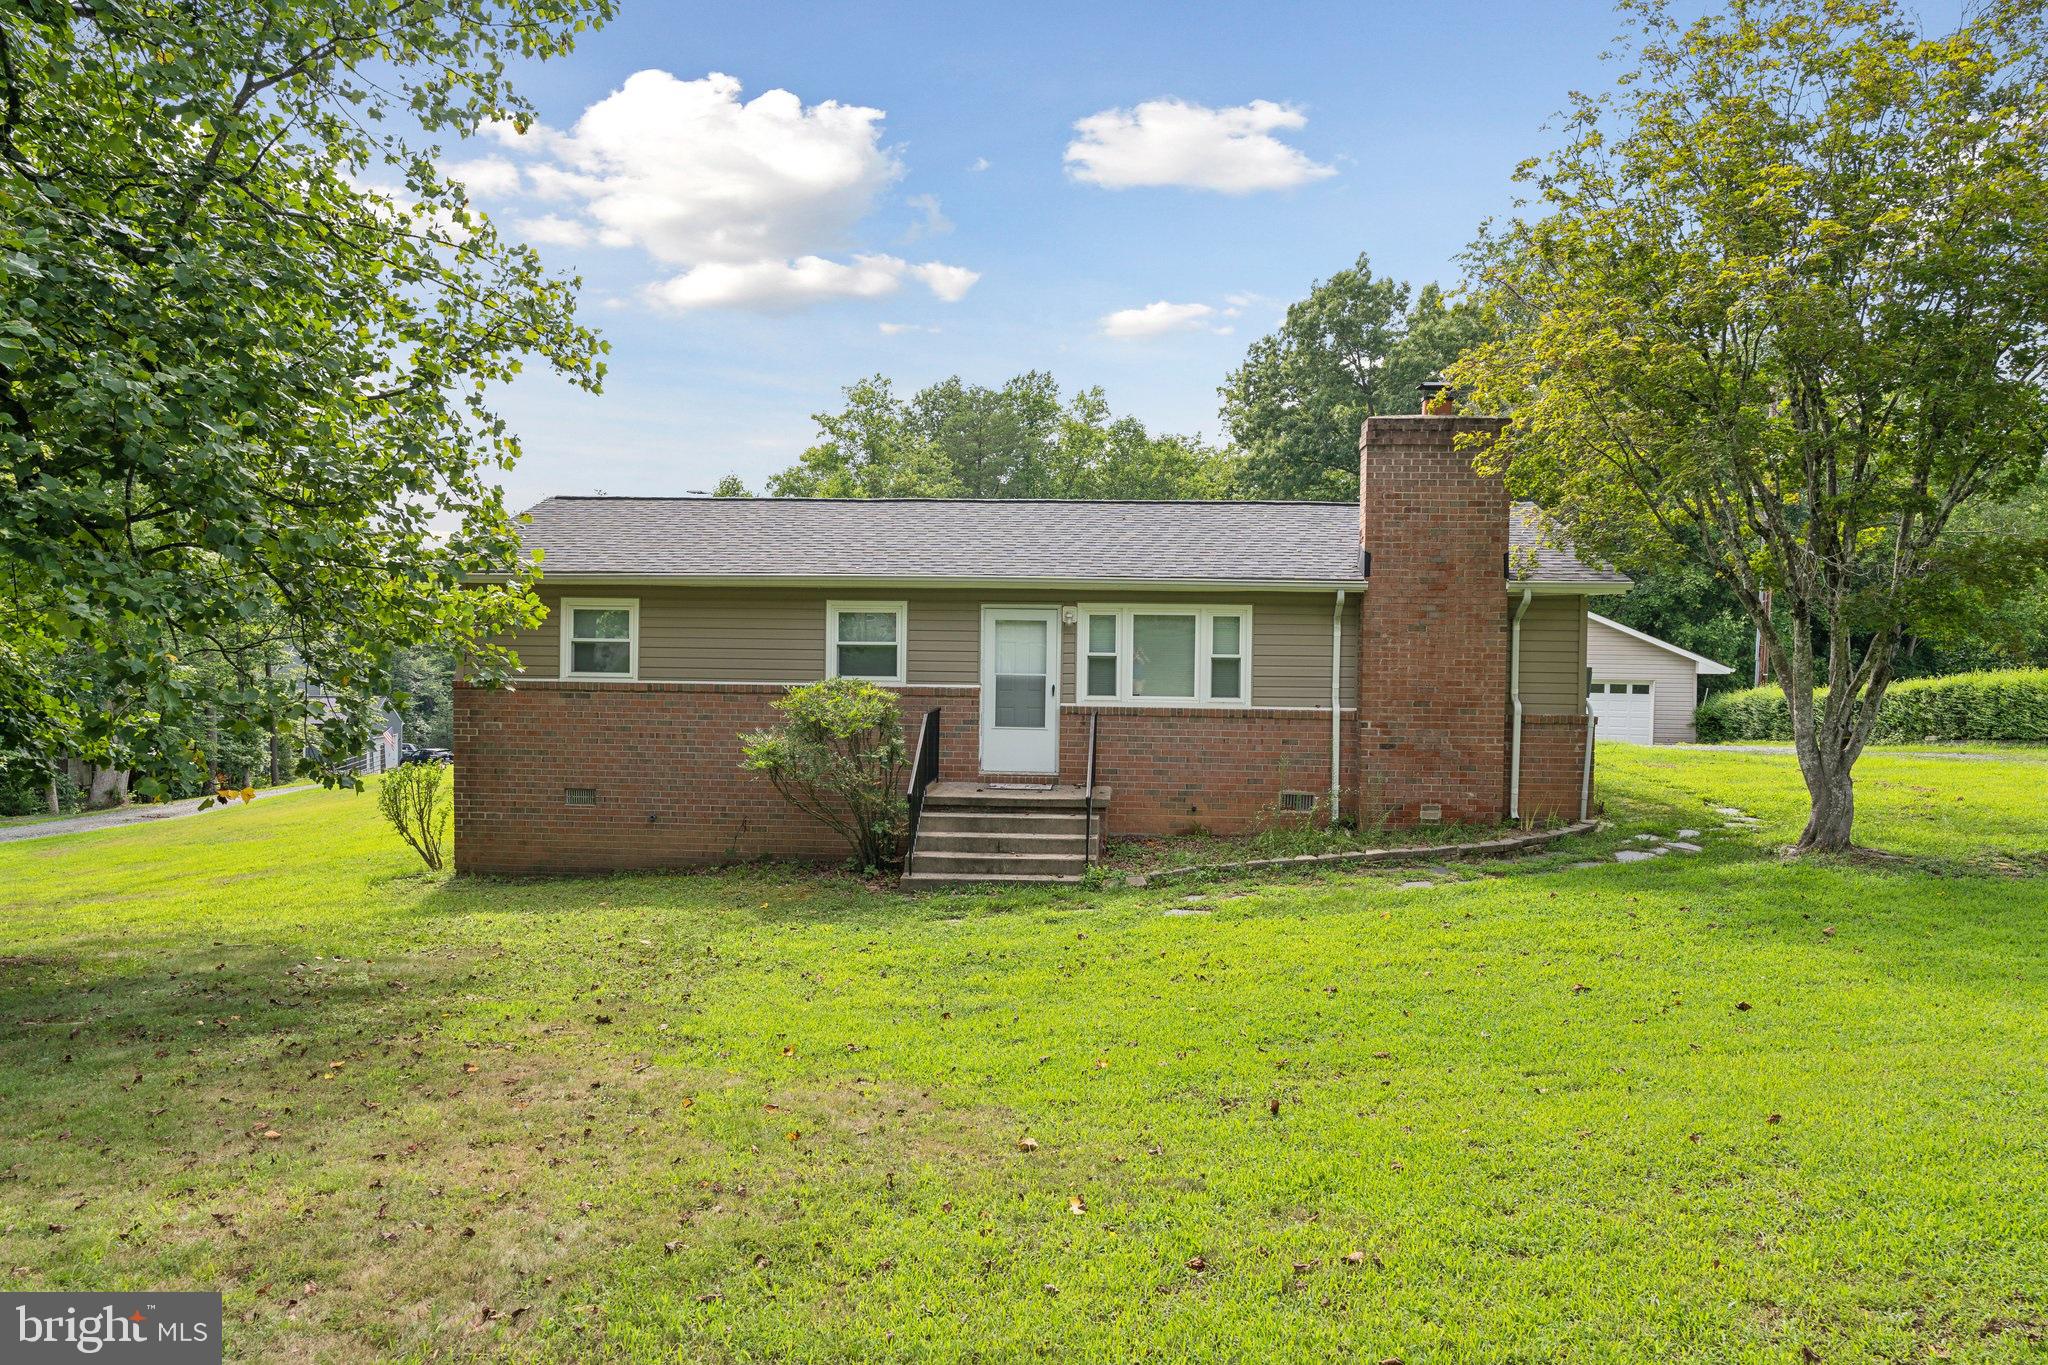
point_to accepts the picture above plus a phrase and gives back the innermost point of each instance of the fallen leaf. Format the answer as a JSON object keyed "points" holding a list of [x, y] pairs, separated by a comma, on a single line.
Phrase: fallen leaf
{"points": [[272, 1134], [670, 1247], [1354, 1258], [1580, 988], [1196, 1263], [1273, 1107], [1775, 1118], [1027, 1144], [1742, 1005], [1051, 1289], [1076, 1205]]}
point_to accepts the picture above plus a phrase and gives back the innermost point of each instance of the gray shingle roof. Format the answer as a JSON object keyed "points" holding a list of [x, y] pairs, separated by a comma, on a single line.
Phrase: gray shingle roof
{"points": [[1014, 540]]}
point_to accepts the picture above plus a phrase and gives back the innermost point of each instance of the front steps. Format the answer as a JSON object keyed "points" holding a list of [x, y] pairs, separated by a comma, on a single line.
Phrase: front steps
{"points": [[971, 832]]}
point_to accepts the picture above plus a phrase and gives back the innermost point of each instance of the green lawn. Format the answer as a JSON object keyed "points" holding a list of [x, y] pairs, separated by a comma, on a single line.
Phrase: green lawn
{"points": [[1716, 1107]]}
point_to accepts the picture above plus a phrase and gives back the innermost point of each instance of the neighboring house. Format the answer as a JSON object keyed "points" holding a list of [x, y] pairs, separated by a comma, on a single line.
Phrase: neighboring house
{"points": [[1234, 661], [1643, 689], [386, 746], [1412, 657]]}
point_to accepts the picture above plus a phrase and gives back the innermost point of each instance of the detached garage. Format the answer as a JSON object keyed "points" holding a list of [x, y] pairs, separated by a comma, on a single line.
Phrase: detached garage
{"points": [[1643, 689]]}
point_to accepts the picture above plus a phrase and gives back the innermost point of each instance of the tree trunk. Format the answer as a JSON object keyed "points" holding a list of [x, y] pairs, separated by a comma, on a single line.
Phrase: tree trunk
{"points": [[56, 803], [1832, 788]]}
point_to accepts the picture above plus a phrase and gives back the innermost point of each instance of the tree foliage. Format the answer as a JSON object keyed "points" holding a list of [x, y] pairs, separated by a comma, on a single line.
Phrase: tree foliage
{"points": [[1356, 347], [247, 329], [840, 760], [1781, 314], [1022, 440]]}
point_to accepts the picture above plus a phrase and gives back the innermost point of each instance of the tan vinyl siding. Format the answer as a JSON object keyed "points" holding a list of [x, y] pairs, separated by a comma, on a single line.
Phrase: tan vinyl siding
{"points": [[1554, 656], [1616, 657], [778, 634]]}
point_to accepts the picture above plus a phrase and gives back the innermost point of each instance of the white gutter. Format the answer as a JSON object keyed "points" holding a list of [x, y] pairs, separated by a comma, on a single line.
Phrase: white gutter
{"points": [[1336, 706], [1515, 695]]}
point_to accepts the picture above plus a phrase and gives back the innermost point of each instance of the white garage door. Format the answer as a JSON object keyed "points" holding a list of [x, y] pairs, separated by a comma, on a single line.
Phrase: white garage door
{"points": [[1627, 710]]}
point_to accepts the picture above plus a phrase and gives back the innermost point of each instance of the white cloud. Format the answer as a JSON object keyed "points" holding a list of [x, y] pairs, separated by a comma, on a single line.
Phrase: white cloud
{"points": [[1158, 319], [897, 329], [775, 286], [487, 175], [751, 199], [979, 163], [1172, 142], [934, 222], [551, 229]]}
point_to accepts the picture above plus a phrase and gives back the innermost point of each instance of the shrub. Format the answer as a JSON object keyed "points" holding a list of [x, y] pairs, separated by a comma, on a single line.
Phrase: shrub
{"points": [[411, 799], [840, 759], [2009, 706]]}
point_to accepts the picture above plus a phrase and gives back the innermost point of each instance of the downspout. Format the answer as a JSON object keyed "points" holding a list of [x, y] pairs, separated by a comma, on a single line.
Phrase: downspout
{"points": [[1515, 695], [1336, 706], [1586, 773]]}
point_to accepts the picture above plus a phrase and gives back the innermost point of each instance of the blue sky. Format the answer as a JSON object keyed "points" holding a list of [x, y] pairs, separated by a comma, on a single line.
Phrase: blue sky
{"points": [[747, 260]]}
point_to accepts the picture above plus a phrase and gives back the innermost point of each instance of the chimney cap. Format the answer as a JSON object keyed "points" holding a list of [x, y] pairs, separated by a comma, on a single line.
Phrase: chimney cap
{"points": [[1434, 387]]}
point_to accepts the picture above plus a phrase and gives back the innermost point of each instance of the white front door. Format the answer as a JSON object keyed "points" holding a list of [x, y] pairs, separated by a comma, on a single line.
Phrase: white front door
{"points": [[1020, 690], [1627, 711]]}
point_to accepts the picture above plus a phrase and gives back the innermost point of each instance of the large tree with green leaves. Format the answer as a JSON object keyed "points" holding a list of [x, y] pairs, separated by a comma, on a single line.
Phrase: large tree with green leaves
{"points": [[1358, 346], [1781, 310], [247, 332], [1022, 440]]}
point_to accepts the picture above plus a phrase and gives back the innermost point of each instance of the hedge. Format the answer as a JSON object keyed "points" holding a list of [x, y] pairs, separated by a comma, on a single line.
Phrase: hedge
{"points": [[2009, 706]]}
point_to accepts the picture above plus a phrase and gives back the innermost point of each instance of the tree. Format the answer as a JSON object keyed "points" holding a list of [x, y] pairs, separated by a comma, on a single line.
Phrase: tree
{"points": [[1022, 440], [732, 486], [1356, 347], [840, 760], [412, 799], [1782, 315], [243, 389]]}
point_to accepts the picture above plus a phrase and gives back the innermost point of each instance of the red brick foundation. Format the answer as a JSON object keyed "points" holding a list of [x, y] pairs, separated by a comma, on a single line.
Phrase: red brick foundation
{"points": [[663, 762], [1196, 768], [1432, 677], [1553, 766]]}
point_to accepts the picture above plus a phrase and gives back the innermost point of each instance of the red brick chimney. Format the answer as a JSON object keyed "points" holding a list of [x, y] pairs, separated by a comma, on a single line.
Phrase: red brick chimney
{"points": [[1433, 644]]}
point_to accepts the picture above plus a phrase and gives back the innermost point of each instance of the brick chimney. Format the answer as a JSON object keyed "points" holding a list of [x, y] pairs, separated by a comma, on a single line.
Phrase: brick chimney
{"points": [[1433, 643]]}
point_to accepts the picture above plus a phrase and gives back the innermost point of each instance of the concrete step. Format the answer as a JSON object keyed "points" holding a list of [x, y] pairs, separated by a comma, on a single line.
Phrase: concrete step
{"points": [[974, 796], [1072, 841], [988, 820], [918, 879], [998, 866]]}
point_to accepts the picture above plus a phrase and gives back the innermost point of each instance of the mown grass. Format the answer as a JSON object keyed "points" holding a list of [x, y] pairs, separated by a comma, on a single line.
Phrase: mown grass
{"points": [[1715, 1107]]}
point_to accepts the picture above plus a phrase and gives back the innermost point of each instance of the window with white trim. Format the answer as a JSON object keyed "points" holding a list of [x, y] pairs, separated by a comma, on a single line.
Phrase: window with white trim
{"points": [[866, 640], [1173, 654], [600, 637]]}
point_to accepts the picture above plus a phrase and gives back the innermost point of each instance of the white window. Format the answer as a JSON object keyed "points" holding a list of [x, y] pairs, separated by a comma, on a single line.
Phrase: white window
{"points": [[1182, 655], [865, 640], [600, 637]]}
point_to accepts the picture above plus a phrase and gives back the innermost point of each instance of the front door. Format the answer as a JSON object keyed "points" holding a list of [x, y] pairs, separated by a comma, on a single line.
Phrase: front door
{"points": [[1020, 690]]}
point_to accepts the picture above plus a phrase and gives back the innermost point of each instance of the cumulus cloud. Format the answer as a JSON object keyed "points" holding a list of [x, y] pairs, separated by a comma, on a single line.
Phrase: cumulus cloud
{"points": [[752, 199], [1172, 142], [1159, 319], [778, 286], [551, 229], [933, 221], [485, 175], [979, 163]]}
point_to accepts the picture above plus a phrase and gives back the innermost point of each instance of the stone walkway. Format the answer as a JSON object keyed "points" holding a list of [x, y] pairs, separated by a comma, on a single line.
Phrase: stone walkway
{"points": [[124, 815]]}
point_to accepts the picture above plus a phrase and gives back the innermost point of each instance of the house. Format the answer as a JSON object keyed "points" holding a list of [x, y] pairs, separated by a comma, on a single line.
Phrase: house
{"points": [[1643, 689], [1417, 656]]}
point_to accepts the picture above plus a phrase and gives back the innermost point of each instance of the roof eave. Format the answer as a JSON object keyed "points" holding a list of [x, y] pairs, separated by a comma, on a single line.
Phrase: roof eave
{"points": [[941, 581]]}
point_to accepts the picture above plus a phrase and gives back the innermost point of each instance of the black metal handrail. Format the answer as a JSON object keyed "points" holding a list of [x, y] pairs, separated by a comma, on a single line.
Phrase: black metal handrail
{"points": [[924, 770], [1088, 824]]}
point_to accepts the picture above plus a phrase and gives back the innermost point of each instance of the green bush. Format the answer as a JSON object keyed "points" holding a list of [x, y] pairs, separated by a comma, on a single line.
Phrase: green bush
{"points": [[412, 800], [840, 759], [2010, 707]]}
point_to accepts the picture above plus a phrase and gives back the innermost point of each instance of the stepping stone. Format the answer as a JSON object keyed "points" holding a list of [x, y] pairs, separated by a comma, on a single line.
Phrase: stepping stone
{"points": [[1726, 810], [1688, 834], [1180, 910], [1416, 886], [1687, 848], [1633, 855], [1659, 851], [1644, 838]]}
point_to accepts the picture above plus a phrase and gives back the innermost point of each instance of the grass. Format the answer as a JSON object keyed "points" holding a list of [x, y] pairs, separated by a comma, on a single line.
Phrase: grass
{"points": [[1716, 1107], [1290, 840]]}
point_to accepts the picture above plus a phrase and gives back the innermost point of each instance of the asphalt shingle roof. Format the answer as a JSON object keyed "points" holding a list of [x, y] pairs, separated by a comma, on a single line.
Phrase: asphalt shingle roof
{"points": [[1122, 542]]}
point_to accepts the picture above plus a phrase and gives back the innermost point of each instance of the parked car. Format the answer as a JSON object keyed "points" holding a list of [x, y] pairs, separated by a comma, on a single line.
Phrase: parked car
{"points": [[415, 754]]}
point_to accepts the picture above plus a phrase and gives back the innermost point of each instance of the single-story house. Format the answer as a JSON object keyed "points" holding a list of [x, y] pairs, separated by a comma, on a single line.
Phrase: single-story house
{"points": [[1643, 689], [1416, 656]]}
